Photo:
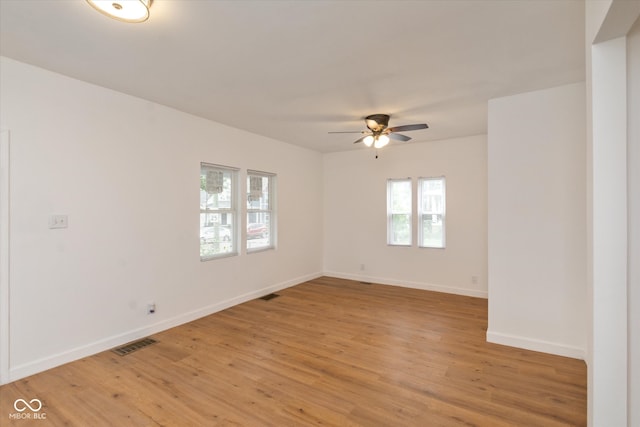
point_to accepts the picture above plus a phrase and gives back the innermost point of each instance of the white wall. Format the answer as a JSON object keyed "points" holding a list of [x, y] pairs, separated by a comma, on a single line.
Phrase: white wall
{"points": [[355, 215], [609, 332], [537, 221], [612, 107], [126, 172], [633, 217]]}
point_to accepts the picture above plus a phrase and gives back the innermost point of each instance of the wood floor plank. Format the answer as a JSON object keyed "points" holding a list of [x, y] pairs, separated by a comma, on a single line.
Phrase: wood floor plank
{"points": [[327, 352]]}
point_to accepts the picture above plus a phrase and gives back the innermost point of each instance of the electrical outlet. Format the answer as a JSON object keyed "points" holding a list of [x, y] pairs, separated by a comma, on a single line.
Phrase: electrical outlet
{"points": [[361, 267], [151, 308], [474, 280]]}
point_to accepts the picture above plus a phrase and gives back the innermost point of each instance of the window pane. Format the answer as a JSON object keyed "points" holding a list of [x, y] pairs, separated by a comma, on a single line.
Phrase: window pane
{"points": [[432, 212], [216, 234], [215, 189], [432, 196], [258, 234], [218, 206], [401, 196], [260, 188], [399, 212], [432, 231], [258, 192], [401, 229]]}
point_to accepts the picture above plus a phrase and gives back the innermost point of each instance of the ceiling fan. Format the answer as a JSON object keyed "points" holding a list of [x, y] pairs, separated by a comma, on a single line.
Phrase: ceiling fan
{"points": [[379, 134]]}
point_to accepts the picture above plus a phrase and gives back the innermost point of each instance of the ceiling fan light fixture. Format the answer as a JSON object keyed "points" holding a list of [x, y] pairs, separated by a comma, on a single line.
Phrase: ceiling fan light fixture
{"points": [[131, 11], [381, 141], [368, 141], [379, 134]]}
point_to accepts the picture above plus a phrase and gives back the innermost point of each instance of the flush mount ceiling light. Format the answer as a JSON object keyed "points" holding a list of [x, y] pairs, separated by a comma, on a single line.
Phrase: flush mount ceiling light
{"points": [[123, 10]]}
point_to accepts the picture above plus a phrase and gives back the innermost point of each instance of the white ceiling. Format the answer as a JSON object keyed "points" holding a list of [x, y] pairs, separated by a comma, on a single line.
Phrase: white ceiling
{"points": [[294, 70]]}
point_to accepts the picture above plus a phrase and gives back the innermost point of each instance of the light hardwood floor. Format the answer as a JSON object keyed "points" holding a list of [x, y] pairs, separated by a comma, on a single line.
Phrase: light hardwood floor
{"points": [[327, 352]]}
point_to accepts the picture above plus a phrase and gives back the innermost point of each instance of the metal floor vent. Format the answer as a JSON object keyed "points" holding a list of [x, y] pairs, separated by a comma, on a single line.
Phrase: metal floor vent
{"points": [[270, 296], [133, 346]]}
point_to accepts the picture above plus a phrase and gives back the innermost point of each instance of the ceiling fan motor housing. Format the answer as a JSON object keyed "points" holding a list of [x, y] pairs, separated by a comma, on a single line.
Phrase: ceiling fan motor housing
{"points": [[377, 122]]}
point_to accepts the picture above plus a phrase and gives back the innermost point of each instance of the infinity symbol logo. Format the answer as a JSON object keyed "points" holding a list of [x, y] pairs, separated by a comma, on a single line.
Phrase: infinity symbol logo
{"points": [[21, 408]]}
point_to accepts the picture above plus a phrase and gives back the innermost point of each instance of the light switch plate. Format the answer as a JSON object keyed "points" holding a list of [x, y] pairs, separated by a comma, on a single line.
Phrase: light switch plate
{"points": [[58, 221]]}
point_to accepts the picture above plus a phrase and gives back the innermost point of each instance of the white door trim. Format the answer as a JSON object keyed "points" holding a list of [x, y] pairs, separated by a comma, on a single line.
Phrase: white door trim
{"points": [[4, 257]]}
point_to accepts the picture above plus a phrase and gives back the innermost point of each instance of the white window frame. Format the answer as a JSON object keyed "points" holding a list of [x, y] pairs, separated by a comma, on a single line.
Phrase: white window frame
{"points": [[424, 215], [270, 210], [391, 213], [232, 210]]}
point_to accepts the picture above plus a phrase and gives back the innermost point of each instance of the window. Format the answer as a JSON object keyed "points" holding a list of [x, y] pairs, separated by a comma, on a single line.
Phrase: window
{"points": [[260, 210], [399, 212], [218, 211], [431, 212]]}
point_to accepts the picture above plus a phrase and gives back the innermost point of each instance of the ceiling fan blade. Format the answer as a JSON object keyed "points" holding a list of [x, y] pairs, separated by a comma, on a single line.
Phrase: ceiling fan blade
{"points": [[408, 127], [399, 137], [350, 131]]}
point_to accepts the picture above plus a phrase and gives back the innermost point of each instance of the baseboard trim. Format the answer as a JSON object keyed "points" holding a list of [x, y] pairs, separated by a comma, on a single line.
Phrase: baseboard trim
{"points": [[536, 345], [43, 364], [409, 284]]}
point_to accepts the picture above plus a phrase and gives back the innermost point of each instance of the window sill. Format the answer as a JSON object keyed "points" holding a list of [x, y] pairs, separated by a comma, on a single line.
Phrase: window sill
{"points": [[256, 250], [211, 258]]}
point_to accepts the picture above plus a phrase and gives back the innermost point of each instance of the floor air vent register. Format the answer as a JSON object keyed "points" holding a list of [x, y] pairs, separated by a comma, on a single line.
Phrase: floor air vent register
{"points": [[137, 345], [133, 346]]}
